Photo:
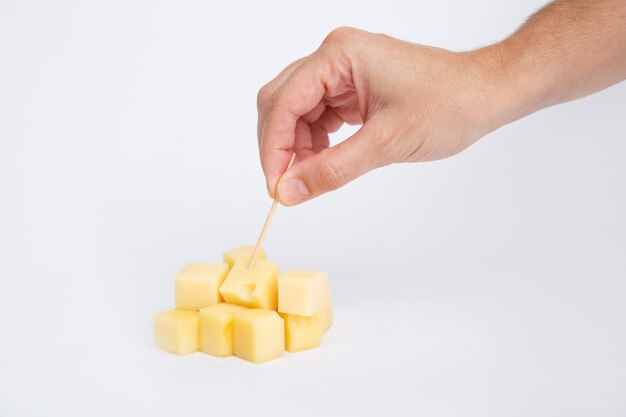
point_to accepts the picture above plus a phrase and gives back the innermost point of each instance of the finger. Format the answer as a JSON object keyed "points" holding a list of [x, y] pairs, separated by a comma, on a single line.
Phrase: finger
{"points": [[346, 105], [341, 99], [298, 95], [310, 140], [319, 138], [303, 144], [313, 115], [268, 90], [313, 138], [349, 113], [334, 167], [329, 120]]}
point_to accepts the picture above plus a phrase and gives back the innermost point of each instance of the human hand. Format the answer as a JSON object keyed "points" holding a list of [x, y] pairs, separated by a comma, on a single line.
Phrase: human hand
{"points": [[415, 103]]}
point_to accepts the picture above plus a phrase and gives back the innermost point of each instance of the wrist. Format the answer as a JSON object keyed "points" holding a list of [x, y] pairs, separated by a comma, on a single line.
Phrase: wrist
{"points": [[485, 91], [511, 88]]}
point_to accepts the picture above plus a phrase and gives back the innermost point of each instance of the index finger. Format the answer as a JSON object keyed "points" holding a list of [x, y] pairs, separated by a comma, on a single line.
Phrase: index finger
{"points": [[301, 92], [268, 90]]}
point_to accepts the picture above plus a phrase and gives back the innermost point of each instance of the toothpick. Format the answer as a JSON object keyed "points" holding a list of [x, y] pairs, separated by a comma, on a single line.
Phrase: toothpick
{"points": [[268, 220]]}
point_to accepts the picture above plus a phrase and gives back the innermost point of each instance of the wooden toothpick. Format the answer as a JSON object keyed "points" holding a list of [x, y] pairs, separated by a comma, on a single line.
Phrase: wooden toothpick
{"points": [[268, 220]]}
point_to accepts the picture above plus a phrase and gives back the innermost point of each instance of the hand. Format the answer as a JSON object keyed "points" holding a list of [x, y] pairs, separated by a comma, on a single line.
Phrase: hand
{"points": [[415, 103]]}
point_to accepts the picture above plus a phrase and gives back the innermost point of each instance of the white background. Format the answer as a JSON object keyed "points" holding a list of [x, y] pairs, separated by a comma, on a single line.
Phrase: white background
{"points": [[489, 284]]}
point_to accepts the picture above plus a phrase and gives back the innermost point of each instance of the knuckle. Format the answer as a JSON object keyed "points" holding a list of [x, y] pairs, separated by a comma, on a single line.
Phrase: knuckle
{"points": [[262, 98], [340, 34], [330, 176], [272, 102]]}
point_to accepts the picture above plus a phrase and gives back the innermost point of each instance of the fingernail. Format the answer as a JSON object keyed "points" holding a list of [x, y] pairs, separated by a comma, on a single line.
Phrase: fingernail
{"points": [[292, 191], [270, 190]]}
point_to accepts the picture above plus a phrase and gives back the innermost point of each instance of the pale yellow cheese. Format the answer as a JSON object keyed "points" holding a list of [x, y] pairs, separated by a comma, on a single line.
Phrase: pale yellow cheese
{"points": [[258, 335], [216, 324], [197, 285], [327, 311], [302, 333], [302, 292], [255, 287], [176, 331], [243, 252]]}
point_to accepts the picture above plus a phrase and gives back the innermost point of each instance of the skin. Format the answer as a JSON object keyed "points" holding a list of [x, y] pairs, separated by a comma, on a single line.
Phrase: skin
{"points": [[418, 103]]}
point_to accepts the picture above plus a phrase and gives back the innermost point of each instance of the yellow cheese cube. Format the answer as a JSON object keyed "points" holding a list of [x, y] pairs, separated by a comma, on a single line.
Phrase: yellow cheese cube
{"points": [[302, 292], [216, 329], [245, 252], [327, 311], [255, 287], [258, 335], [197, 285], [302, 333], [176, 331]]}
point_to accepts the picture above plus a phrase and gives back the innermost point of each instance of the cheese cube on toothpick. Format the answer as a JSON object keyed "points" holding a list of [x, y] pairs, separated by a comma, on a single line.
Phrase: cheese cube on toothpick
{"points": [[255, 287], [243, 252]]}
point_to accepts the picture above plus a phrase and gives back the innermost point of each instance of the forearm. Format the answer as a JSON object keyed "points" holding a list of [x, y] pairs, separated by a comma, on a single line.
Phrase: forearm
{"points": [[568, 50]]}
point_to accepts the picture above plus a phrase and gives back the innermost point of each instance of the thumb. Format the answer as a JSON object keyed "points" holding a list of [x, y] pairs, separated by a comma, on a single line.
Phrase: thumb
{"points": [[334, 167]]}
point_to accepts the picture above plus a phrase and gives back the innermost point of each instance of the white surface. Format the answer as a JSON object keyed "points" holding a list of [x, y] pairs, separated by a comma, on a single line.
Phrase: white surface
{"points": [[490, 284]]}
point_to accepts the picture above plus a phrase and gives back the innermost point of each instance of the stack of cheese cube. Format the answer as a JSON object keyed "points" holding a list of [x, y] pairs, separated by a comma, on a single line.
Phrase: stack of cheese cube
{"points": [[254, 313]]}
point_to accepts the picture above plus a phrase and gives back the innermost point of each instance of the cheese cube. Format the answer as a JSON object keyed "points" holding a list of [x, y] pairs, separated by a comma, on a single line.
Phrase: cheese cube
{"points": [[245, 252], [197, 285], [216, 329], [302, 333], [176, 331], [255, 287], [302, 292], [327, 311], [258, 335]]}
